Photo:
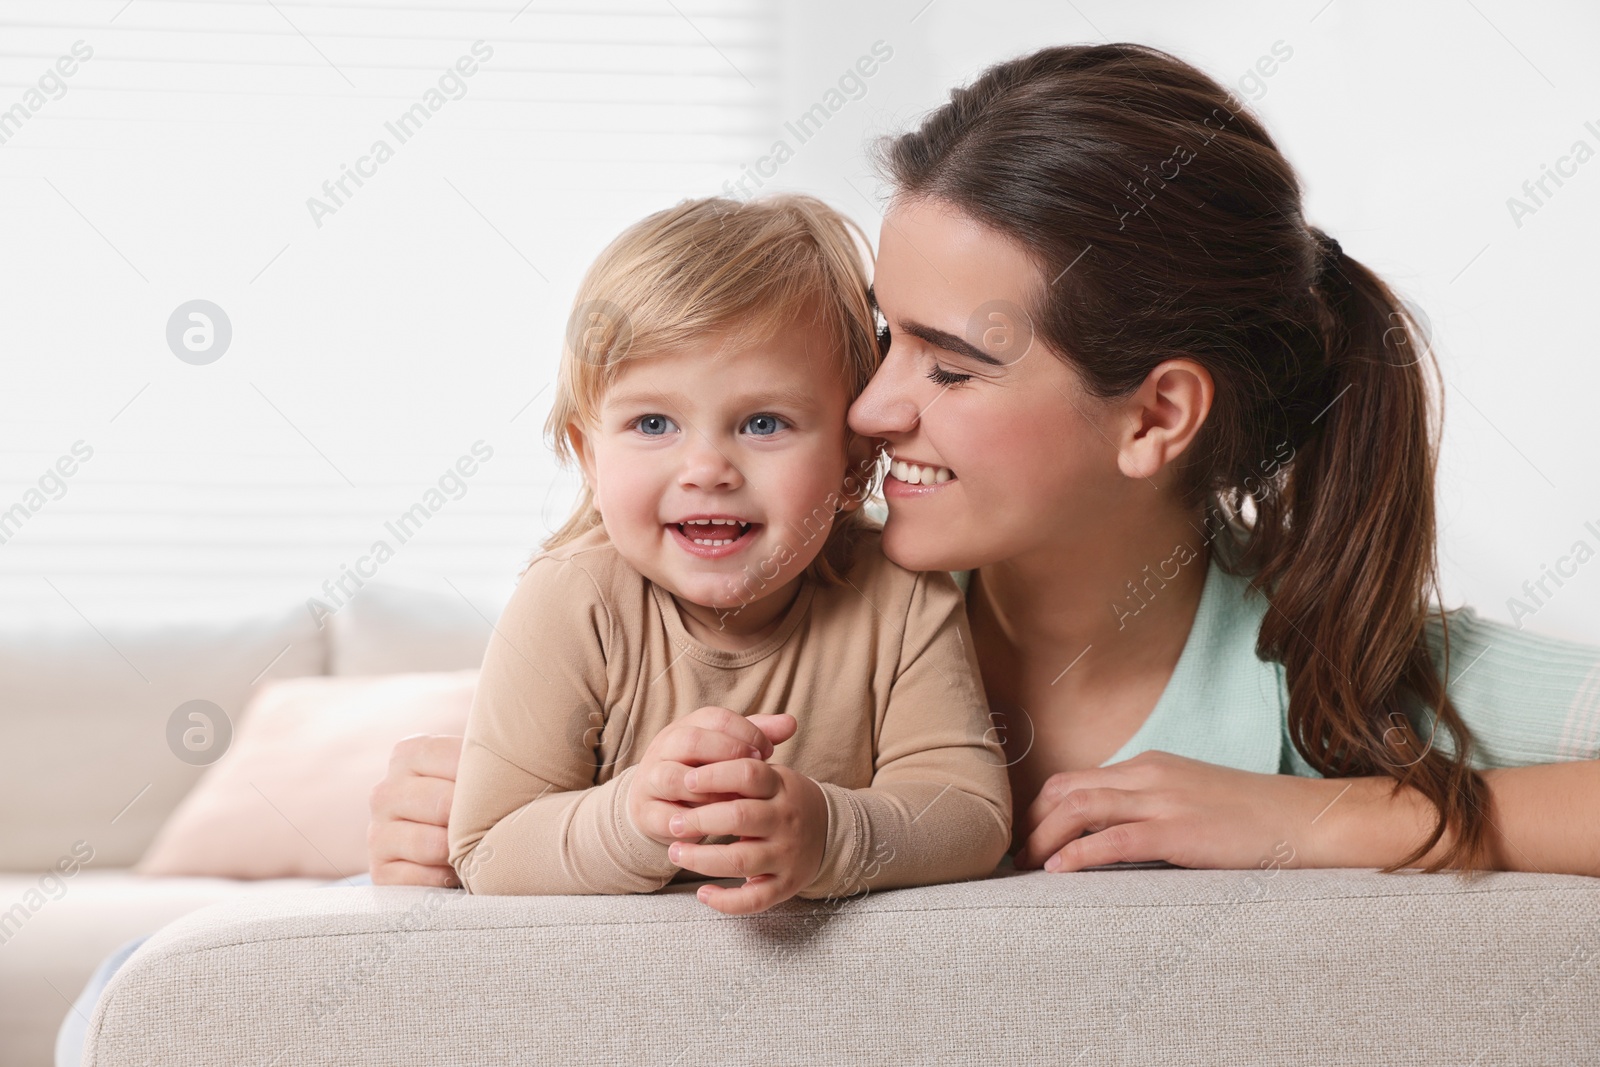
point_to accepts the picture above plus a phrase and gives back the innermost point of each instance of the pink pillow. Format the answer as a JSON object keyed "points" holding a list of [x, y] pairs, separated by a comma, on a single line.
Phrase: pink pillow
{"points": [[289, 799]]}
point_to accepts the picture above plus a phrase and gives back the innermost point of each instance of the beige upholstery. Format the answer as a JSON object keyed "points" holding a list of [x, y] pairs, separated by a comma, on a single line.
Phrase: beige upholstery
{"points": [[1107, 967], [385, 628], [51, 952], [85, 725], [83, 715]]}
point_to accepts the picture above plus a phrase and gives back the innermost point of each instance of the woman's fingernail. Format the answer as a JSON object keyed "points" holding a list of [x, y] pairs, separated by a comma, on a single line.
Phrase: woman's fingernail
{"points": [[676, 824], [672, 852], [1053, 863]]}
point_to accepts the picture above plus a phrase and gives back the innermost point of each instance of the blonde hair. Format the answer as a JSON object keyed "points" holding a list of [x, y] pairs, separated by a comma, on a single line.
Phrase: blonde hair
{"points": [[711, 265]]}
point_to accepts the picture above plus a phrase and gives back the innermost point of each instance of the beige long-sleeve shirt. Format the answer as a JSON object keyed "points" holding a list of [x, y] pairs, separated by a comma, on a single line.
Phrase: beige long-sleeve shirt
{"points": [[590, 660]]}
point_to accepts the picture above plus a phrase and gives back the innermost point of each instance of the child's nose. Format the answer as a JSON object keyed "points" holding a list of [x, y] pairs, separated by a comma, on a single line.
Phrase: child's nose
{"points": [[707, 466]]}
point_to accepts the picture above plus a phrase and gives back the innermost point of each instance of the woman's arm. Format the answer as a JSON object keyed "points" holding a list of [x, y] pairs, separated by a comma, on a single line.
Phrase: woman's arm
{"points": [[1157, 806], [1532, 703], [1543, 819]]}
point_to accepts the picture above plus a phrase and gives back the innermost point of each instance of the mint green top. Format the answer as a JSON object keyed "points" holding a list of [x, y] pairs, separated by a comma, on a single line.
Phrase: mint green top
{"points": [[1526, 698]]}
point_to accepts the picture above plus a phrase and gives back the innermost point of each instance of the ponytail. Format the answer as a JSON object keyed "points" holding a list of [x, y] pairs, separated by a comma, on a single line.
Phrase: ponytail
{"points": [[1351, 575]]}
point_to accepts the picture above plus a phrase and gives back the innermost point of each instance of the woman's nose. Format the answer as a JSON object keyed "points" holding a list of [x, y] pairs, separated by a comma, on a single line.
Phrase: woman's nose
{"points": [[886, 406]]}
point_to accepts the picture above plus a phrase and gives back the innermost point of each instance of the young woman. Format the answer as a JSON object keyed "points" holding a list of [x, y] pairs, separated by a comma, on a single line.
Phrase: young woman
{"points": [[1185, 445]]}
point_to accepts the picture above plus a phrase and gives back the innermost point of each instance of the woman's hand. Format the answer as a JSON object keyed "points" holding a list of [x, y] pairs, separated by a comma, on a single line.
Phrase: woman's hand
{"points": [[1157, 806], [705, 736], [406, 842], [781, 818]]}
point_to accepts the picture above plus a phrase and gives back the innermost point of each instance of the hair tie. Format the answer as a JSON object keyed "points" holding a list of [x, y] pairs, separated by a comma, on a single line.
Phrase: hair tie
{"points": [[1329, 251]]}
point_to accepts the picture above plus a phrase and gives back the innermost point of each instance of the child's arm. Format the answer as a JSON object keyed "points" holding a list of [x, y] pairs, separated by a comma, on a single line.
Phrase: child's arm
{"points": [[939, 807], [527, 817]]}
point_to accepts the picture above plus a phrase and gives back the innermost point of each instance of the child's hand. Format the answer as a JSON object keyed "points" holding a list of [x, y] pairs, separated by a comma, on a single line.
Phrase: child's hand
{"points": [[781, 817], [705, 736]]}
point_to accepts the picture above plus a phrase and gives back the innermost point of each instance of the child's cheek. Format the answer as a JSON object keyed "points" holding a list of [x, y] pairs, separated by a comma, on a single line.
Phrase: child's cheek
{"points": [[629, 493]]}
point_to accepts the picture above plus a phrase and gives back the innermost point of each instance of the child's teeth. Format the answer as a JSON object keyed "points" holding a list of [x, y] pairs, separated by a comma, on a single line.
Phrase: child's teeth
{"points": [[689, 529]]}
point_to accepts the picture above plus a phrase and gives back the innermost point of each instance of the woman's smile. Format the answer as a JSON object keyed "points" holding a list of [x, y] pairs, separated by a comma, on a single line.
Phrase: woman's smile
{"points": [[917, 472], [907, 479]]}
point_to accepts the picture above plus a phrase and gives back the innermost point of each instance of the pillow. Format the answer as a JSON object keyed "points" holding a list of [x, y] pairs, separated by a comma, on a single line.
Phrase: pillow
{"points": [[290, 798]]}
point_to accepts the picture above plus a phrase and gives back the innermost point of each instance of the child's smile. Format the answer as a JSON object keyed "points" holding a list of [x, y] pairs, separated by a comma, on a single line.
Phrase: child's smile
{"points": [[713, 536]]}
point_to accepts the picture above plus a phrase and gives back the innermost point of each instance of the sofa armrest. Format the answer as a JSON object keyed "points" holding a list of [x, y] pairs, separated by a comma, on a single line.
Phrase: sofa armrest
{"points": [[1131, 966]]}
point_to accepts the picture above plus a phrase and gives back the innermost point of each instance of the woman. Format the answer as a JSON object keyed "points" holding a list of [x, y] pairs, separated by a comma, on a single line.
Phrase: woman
{"points": [[1138, 389]]}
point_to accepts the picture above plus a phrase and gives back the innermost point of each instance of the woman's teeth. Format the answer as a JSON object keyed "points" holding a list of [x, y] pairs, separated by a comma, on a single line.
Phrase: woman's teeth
{"points": [[916, 474], [701, 532]]}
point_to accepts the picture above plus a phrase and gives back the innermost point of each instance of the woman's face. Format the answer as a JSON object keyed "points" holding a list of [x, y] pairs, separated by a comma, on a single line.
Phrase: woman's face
{"points": [[1002, 429]]}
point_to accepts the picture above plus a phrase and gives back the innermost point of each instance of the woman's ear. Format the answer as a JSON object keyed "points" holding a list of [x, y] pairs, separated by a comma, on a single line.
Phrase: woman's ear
{"points": [[1163, 417]]}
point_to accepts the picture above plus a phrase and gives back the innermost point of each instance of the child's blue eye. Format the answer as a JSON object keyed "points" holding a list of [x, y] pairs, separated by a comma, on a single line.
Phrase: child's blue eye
{"points": [[653, 425], [764, 425]]}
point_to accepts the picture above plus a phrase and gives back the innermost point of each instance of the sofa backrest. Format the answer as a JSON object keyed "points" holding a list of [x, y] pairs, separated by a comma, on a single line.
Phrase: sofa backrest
{"points": [[85, 712], [391, 629]]}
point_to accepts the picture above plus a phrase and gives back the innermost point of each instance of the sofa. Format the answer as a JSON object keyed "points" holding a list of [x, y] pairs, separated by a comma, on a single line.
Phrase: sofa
{"points": [[1101, 967], [1266, 966], [88, 777]]}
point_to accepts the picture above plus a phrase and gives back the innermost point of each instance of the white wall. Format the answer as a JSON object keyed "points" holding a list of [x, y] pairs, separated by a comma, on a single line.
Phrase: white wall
{"points": [[369, 353]]}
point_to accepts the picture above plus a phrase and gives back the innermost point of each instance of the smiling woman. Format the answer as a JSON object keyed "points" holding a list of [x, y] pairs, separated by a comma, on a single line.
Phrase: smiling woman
{"points": [[1210, 372]]}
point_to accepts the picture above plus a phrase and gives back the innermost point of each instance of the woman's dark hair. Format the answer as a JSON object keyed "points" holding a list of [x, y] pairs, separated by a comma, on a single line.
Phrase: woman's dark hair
{"points": [[1166, 223]]}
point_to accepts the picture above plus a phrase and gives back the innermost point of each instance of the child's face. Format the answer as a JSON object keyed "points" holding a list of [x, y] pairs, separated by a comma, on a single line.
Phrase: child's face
{"points": [[755, 434]]}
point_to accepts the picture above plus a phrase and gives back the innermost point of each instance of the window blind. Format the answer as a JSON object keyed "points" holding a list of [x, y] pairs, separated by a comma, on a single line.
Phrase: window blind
{"points": [[284, 282]]}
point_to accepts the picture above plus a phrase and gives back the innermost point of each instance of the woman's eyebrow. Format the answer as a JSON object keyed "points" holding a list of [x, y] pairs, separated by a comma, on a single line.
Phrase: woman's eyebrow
{"points": [[949, 342]]}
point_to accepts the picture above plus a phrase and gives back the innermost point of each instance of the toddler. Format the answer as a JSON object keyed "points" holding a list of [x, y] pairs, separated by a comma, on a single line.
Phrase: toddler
{"points": [[711, 671]]}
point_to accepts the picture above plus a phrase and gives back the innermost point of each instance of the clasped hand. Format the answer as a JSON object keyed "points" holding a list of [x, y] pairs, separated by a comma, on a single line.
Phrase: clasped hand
{"points": [[707, 773]]}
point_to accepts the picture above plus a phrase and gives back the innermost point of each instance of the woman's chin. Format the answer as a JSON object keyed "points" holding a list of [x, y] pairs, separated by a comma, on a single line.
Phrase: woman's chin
{"points": [[922, 549]]}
